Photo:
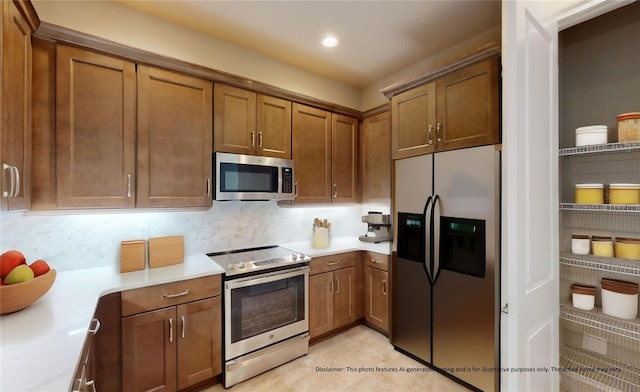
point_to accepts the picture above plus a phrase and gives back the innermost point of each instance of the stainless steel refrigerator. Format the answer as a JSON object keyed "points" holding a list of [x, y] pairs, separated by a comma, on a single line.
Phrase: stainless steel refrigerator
{"points": [[446, 265]]}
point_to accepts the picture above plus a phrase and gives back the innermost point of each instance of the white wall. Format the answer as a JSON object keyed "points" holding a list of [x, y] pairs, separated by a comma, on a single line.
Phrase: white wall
{"points": [[115, 22]]}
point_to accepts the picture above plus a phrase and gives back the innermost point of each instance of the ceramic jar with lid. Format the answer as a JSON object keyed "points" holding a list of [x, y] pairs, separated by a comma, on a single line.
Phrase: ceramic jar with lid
{"points": [[589, 194], [580, 244], [624, 194], [629, 127], [582, 296], [602, 246], [627, 248], [593, 134], [619, 298]]}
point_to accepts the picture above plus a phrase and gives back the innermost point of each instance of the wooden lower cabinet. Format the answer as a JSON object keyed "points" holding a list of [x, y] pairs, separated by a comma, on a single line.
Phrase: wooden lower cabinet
{"points": [[172, 348], [376, 302], [335, 292]]}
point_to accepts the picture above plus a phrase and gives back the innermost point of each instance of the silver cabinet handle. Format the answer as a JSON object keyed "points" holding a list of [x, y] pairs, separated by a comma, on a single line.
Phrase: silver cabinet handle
{"points": [[384, 287], [183, 325], [331, 286], [170, 330], [128, 185], [439, 132], [17, 191], [505, 308], [295, 190], [337, 285], [335, 190], [430, 133], [375, 261], [334, 262], [260, 139], [208, 186], [91, 384], [253, 138], [5, 192], [97, 327], [180, 294]]}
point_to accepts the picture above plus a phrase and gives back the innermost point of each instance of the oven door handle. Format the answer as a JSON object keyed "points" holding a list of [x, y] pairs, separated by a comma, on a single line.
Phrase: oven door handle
{"points": [[251, 281]]}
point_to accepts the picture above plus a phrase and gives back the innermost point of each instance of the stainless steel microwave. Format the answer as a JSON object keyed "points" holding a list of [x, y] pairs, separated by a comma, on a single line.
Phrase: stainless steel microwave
{"points": [[249, 177]]}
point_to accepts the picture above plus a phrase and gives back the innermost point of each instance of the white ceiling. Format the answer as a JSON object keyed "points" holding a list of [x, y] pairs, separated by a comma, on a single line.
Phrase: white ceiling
{"points": [[377, 38]]}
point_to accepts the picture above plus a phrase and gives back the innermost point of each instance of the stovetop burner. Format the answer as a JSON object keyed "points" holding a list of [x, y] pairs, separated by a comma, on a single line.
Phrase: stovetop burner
{"points": [[253, 260]]}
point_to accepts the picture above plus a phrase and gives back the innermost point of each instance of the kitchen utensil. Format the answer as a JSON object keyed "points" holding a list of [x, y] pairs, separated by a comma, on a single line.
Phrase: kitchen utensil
{"points": [[14, 297], [165, 251]]}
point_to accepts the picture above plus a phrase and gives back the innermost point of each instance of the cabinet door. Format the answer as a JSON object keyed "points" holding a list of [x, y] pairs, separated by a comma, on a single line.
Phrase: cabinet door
{"points": [[320, 304], [468, 107], [376, 149], [149, 351], [234, 120], [413, 121], [376, 298], [174, 139], [15, 108], [312, 154], [345, 296], [95, 129], [344, 159], [199, 341], [273, 127]]}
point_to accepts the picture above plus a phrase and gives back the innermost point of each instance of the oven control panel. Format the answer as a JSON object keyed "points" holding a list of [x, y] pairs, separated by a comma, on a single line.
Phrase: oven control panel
{"points": [[258, 259]]}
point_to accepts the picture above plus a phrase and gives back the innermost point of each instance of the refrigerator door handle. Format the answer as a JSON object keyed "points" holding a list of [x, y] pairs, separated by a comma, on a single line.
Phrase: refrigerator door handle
{"points": [[434, 225], [426, 243]]}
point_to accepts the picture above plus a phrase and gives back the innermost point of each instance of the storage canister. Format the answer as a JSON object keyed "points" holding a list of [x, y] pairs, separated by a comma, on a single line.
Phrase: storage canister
{"points": [[627, 248], [593, 134], [602, 246], [619, 298], [583, 297], [589, 193], [629, 127], [624, 194], [580, 244]]}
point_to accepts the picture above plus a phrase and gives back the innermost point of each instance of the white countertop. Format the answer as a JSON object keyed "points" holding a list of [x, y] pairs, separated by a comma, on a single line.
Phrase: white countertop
{"points": [[41, 345]]}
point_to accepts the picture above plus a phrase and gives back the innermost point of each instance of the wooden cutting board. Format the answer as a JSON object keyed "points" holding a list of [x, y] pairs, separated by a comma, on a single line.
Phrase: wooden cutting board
{"points": [[132, 255], [165, 251]]}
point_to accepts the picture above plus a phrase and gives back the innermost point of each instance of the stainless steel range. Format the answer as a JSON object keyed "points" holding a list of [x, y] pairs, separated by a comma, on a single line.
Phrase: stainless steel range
{"points": [[266, 309]]}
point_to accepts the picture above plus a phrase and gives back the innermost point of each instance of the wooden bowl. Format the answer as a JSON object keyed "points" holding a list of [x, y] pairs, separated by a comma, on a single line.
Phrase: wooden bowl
{"points": [[14, 297]]}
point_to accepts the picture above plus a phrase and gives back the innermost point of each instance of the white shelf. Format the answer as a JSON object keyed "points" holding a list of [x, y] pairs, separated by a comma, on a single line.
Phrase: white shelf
{"points": [[619, 147], [629, 329], [600, 372], [607, 264], [631, 208]]}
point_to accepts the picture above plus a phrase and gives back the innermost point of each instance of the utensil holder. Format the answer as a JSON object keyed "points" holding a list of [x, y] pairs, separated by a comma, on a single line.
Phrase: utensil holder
{"points": [[320, 237]]}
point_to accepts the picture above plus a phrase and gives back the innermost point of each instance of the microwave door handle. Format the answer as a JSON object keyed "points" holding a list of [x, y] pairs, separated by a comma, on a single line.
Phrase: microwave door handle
{"points": [[426, 244], [435, 235]]}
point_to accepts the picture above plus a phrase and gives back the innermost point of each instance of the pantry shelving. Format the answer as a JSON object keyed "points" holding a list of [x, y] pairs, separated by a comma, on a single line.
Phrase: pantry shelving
{"points": [[598, 352]]}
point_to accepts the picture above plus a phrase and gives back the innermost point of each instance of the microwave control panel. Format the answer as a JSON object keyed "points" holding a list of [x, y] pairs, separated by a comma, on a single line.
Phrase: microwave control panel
{"points": [[287, 180]]}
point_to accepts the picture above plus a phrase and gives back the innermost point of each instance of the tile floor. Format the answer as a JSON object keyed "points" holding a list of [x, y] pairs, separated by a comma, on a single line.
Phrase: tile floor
{"points": [[355, 348]]}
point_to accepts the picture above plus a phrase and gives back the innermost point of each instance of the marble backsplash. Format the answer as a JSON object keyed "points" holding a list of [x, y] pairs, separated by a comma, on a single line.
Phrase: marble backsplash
{"points": [[83, 240]]}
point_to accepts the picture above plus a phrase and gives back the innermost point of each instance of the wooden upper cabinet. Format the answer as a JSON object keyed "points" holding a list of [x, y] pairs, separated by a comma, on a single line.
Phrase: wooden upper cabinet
{"points": [[18, 22], [456, 111], [325, 155], [312, 154], [468, 107], [376, 151], [249, 123], [95, 129], [174, 139], [344, 159], [413, 121]]}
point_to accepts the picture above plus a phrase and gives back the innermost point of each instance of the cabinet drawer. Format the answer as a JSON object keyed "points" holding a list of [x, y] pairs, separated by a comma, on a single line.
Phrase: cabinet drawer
{"points": [[169, 294], [322, 264], [376, 260]]}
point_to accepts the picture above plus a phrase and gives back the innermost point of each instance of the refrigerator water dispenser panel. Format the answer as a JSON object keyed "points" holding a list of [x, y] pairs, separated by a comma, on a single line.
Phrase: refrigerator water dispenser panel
{"points": [[462, 245], [411, 236]]}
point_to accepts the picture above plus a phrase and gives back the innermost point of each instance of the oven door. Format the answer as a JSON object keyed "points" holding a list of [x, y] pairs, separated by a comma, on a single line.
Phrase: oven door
{"points": [[265, 309]]}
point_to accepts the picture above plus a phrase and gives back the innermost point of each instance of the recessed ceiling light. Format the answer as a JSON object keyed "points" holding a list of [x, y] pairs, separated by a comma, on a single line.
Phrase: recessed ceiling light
{"points": [[330, 41]]}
